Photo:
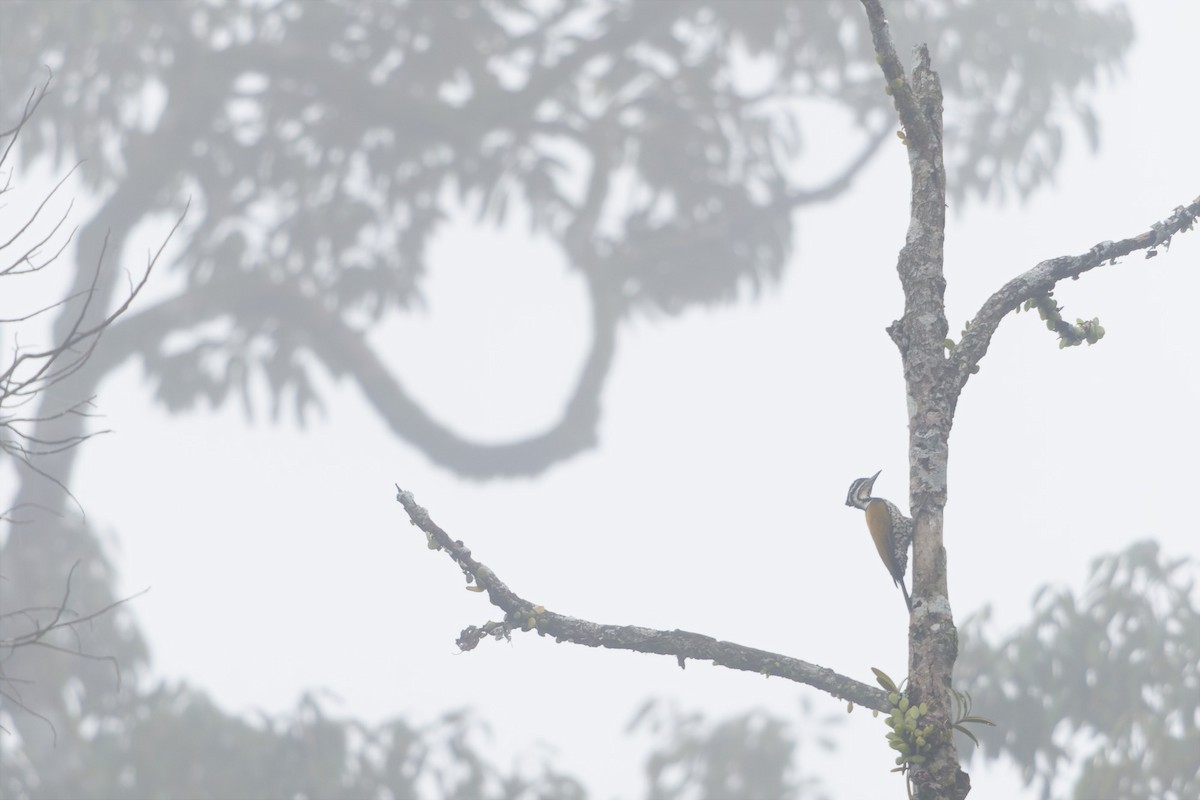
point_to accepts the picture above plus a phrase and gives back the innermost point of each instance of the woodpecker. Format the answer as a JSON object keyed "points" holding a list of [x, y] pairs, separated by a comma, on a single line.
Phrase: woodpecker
{"points": [[890, 529]]}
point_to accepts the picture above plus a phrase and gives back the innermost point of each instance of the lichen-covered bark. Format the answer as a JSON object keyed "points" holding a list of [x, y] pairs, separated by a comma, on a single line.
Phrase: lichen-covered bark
{"points": [[1042, 278], [920, 335], [522, 615], [934, 379]]}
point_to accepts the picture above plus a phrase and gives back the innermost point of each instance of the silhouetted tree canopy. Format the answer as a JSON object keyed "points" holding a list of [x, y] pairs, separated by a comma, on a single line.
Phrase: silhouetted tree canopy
{"points": [[662, 146], [1108, 679]]}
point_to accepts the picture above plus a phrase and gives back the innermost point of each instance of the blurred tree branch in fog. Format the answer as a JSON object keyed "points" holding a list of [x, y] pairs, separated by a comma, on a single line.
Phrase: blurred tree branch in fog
{"points": [[1108, 679], [663, 146]]}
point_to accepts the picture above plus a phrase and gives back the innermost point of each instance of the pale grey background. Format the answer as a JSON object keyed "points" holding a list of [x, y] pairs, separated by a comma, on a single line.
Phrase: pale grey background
{"points": [[728, 440]]}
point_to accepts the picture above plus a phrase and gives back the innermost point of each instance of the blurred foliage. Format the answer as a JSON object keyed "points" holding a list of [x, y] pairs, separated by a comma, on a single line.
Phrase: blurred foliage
{"points": [[1102, 690], [663, 146], [1099, 693], [752, 754], [174, 742]]}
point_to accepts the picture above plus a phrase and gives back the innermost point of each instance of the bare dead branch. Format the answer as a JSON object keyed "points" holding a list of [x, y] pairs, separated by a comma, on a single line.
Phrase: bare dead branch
{"points": [[1041, 279], [64, 619], [29, 464], [42, 310], [522, 615], [36, 95], [74, 335], [28, 376], [80, 334], [15, 699], [31, 372], [33, 218]]}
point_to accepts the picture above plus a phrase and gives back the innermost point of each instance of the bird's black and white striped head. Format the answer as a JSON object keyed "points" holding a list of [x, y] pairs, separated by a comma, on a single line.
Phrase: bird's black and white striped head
{"points": [[860, 491]]}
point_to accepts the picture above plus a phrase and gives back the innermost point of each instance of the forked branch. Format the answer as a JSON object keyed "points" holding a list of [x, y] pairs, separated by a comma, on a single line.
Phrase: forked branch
{"points": [[1039, 281], [32, 372], [40, 634]]}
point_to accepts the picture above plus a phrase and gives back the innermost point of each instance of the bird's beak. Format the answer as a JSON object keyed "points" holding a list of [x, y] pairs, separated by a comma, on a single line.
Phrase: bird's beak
{"points": [[871, 482]]}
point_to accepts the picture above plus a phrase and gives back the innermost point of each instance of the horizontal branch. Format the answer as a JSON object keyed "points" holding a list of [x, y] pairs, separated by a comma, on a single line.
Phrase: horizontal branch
{"points": [[522, 615], [1039, 281]]}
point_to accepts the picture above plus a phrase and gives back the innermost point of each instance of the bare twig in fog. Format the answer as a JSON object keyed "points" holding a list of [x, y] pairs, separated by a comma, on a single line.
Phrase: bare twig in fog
{"points": [[63, 618], [31, 375], [33, 371]]}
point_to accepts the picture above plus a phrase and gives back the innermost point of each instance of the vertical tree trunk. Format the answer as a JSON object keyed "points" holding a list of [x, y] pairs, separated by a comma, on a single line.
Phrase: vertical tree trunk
{"points": [[920, 335]]}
